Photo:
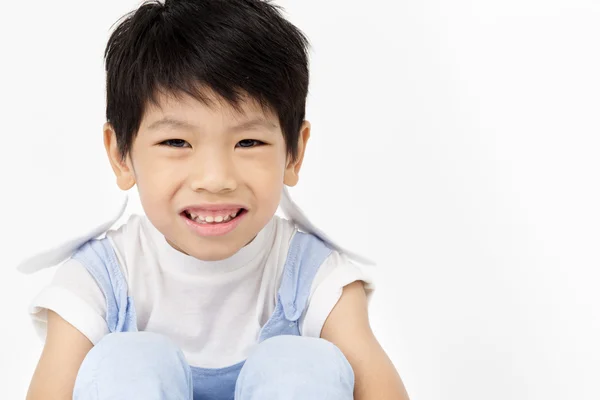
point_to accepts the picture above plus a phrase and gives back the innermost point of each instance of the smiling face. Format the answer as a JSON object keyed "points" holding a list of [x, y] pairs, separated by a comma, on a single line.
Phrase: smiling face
{"points": [[209, 178]]}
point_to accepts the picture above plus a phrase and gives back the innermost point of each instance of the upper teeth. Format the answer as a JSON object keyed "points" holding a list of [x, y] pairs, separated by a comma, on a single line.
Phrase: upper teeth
{"points": [[216, 218]]}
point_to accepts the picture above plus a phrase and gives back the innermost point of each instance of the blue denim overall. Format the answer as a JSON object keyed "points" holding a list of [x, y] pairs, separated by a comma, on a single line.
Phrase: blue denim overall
{"points": [[127, 364]]}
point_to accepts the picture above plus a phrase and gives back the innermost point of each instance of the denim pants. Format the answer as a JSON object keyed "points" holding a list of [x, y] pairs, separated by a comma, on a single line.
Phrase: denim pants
{"points": [[149, 366]]}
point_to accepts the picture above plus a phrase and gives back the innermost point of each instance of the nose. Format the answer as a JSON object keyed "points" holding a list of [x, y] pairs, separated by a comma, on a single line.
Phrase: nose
{"points": [[213, 172]]}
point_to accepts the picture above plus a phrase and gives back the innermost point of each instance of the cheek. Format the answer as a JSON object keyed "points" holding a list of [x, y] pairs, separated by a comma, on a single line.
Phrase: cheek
{"points": [[263, 168], [154, 176], [263, 173]]}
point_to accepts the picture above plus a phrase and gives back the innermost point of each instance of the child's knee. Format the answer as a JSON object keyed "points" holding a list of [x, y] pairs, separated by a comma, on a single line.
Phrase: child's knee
{"points": [[287, 351], [135, 347], [288, 361], [150, 359]]}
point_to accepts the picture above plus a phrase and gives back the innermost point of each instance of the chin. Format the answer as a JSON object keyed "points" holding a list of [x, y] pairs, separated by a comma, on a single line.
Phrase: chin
{"points": [[213, 256], [215, 253]]}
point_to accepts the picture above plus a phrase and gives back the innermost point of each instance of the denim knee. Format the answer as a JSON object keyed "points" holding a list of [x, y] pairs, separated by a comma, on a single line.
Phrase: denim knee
{"points": [[134, 365], [296, 367]]}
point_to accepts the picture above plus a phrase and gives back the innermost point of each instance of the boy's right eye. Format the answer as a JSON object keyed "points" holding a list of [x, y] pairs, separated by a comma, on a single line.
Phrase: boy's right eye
{"points": [[174, 143]]}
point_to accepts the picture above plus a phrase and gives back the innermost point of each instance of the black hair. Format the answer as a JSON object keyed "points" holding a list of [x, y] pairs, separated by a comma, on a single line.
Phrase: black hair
{"points": [[235, 48]]}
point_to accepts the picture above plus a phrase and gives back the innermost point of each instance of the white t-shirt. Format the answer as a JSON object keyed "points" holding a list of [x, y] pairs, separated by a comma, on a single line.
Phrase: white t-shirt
{"points": [[212, 310]]}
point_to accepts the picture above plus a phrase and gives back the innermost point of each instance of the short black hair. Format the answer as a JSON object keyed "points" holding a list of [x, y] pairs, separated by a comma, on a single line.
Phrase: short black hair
{"points": [[235, 48]]}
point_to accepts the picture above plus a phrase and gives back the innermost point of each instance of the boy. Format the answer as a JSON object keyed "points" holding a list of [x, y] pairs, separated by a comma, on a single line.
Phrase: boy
{"points": [[209, 295]]}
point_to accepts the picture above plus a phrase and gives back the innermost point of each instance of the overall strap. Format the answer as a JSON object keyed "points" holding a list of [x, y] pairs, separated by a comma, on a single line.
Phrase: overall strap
{"points": [[100, 260], [306, 254]]}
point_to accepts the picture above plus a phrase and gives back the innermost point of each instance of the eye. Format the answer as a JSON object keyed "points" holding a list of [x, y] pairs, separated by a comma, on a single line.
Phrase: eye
{"points": [[247, 143], [180, 143]]}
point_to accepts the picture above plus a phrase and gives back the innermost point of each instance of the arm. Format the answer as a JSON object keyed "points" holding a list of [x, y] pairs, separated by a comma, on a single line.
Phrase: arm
{"points": [[64, 351], [348, 328]]}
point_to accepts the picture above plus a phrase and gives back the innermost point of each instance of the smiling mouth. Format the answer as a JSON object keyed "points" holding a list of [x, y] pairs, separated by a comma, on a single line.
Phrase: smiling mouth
{"points": [[214, 218]]}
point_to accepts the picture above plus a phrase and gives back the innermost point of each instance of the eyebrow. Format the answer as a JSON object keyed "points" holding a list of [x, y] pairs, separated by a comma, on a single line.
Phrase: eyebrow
{"points": [[246, 125]]}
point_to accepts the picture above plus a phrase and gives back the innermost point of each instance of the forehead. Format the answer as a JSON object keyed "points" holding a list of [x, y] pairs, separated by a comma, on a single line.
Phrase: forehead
{"points": [[209, 109]]}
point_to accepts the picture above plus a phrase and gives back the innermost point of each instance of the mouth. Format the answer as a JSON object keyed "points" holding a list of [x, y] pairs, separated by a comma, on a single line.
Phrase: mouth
{"points": [[212, 221], [214, 217]]}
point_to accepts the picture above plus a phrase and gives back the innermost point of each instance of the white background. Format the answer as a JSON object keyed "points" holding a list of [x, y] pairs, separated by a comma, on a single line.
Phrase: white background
{"points": [[454, 142]]}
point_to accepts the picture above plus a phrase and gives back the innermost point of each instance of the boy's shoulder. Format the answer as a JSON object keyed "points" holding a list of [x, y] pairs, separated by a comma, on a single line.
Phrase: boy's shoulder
{"points": [[58, 253]]}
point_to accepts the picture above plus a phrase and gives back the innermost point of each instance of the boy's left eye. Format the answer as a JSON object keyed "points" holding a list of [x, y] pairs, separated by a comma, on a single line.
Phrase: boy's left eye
{"points": [[249, 143]]}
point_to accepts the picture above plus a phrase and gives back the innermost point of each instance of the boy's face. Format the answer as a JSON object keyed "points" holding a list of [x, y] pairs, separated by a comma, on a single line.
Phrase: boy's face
{"points": [[209, 179]]}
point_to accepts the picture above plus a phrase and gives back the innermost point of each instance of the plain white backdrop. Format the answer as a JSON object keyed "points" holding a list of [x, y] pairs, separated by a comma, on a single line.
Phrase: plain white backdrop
{"points": [[456, 143]]}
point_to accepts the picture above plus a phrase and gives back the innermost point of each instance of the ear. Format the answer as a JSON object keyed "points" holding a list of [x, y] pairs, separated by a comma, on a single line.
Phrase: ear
{"points": [[292, 170], [123, 169]]}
